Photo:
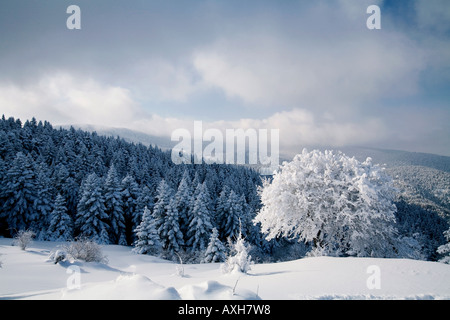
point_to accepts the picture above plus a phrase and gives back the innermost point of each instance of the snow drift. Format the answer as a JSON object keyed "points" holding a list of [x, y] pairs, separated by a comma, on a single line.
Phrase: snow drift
{"points": [[30, 274]]}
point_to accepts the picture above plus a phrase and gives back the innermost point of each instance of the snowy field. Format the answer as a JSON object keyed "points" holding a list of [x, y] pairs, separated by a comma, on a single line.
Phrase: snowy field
{"points": [[31, 275]]}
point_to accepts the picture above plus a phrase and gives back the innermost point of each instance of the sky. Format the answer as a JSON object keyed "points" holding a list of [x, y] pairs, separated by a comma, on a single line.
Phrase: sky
{"points": [[311, 69]]}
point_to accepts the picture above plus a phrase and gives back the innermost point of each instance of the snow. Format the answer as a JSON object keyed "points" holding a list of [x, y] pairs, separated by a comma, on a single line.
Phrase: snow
{"points": [[30, 274]]}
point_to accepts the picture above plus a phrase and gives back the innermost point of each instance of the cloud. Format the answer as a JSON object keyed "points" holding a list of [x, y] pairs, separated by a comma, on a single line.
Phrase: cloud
{"points": [[434, 15], [274, 70], [66, 99], [300, 127], [63, 98], [311, 69]]}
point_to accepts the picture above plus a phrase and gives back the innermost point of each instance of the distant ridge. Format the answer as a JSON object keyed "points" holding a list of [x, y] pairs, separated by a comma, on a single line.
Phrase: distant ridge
{"points": [[126, 134], [389, 158]]}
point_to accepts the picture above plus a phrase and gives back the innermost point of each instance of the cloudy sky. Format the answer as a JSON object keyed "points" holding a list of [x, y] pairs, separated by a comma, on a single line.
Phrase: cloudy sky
{"points": [[309, 68]]}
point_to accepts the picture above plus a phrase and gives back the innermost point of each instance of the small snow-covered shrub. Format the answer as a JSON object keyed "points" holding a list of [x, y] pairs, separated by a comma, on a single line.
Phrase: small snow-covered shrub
{"points": [[241, 261], [86, 250], [23, 238], [58, 255], [180, 268], [215, 252]]}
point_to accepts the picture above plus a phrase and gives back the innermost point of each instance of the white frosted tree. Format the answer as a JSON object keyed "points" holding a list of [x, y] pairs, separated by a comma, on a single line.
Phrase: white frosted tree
{"points": [[335, 203], [240, 260], [147, 236], [445, 249], [215, 252], [61, 224]]}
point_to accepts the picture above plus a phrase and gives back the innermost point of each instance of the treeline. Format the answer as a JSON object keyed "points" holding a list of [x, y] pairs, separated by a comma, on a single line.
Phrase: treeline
{"points": [[66, 183]]}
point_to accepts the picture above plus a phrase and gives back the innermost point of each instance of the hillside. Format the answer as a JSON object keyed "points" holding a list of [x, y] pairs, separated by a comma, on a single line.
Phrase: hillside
{"points": [[30, 275], [422, 181]]}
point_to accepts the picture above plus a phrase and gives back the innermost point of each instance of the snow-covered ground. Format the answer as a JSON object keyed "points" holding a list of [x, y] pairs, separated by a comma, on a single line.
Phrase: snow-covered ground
{"points": [[31, 275]]}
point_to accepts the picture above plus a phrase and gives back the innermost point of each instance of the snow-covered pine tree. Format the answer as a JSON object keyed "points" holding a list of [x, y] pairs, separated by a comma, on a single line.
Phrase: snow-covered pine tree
{"points": [[147, 236], [130, 194], [67, 187], [445, 249], [91, 219], [43, 203], [113, 205], [19, 194], [216, 251], [183, 201], [222, 208], [230, 220], [200, 226], [240, 260], [61, 224], [163, 195], [335, 203], [170, 234], [145, 199]]}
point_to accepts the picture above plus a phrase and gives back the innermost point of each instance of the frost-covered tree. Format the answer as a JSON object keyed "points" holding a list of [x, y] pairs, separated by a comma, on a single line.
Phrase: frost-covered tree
{"points": [[61, 224], [113, 205], [215, 252], [335, 203], [445, 249], [200, 226], [91, 219], [240, 260], [147, 236], [24, 238]]}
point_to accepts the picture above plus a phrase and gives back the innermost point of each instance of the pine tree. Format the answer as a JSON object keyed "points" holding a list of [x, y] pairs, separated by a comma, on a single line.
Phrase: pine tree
{"points": [[145, 199], [19, 193], [61, 224], [240, 261], [113, 205], [43, 203], [215, 252], [163, 195], [170, 234], [183, 201], [147, 237], [231, 216], [200, 227], [91, 217], [222, 208], [130, 194], [445, 249]]}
